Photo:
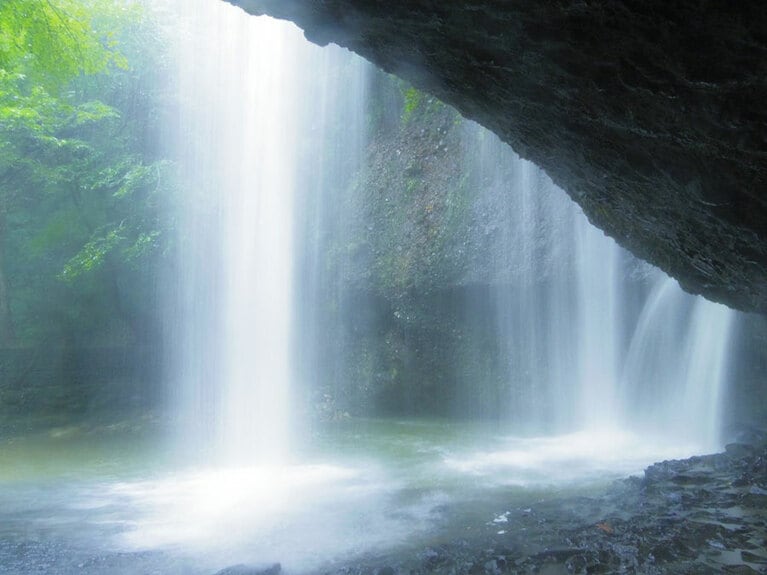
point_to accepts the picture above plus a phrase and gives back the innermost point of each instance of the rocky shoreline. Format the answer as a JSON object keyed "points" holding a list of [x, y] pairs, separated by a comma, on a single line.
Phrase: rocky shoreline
{"points": [[706, 514]]}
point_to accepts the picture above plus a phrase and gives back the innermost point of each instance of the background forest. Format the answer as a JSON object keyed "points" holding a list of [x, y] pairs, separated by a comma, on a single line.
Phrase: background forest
{"points": [[83, 183], [81, 174]]}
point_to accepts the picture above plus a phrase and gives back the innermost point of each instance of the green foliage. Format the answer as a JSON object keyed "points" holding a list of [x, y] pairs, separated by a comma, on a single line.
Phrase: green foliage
{"points": [[413, 100], [80, 181], [132, 190], [417, 105], [53, 41], [93, 253]]}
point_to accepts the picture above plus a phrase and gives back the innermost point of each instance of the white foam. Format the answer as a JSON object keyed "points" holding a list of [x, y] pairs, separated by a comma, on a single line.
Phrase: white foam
{"points": [[575, 457], [300, 515]]}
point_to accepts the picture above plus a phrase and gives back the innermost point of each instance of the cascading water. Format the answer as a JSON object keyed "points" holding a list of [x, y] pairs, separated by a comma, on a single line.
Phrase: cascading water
{"points": [[272, 134], [326, 217], [574, 344], [240, 133], [307, 292], [659, 369], [678, 353], [269, 137], [598, 332]]}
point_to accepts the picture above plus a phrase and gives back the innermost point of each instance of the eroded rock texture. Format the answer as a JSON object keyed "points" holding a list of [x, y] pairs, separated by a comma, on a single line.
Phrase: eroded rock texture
{"points": [[652, 115]]}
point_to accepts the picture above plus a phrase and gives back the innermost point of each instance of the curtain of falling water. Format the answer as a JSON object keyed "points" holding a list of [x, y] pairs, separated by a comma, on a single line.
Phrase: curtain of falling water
{"points": [[599, 329], [238, 130], [675, 370], [258, 100], [533, 269], [270, 135], [592, 338], [327, 214]]}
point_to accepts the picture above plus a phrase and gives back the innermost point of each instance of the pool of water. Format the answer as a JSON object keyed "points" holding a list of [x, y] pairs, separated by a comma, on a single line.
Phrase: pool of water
{"points": [[78, 502]]}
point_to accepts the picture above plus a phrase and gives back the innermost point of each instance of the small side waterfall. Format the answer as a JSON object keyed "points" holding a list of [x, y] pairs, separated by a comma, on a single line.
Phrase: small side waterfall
{"points": [[593, 339], [678, 353], [327, 214]]}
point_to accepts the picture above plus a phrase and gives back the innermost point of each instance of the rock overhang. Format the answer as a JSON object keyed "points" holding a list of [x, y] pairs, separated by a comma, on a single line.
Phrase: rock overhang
{"points": [[651, 115]]}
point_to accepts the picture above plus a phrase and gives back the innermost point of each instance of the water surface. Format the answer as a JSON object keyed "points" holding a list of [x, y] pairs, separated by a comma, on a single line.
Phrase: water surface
{"points": [[95, 503]]}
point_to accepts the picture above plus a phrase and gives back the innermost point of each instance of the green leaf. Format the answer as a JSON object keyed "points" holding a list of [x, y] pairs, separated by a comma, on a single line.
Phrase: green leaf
{"points": [[91, 257]]}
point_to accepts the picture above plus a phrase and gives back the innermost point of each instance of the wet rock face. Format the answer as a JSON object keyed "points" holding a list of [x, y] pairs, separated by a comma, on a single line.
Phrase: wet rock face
{"points": [[649, 114]]}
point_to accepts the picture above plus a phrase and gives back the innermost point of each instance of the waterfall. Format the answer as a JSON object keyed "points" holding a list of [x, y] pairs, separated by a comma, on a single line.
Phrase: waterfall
{"points": [[335, 254], [598, 305], [270, 132], [675, 368], [591, 338], [271, 138], [326, 219], [249, 102]]}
